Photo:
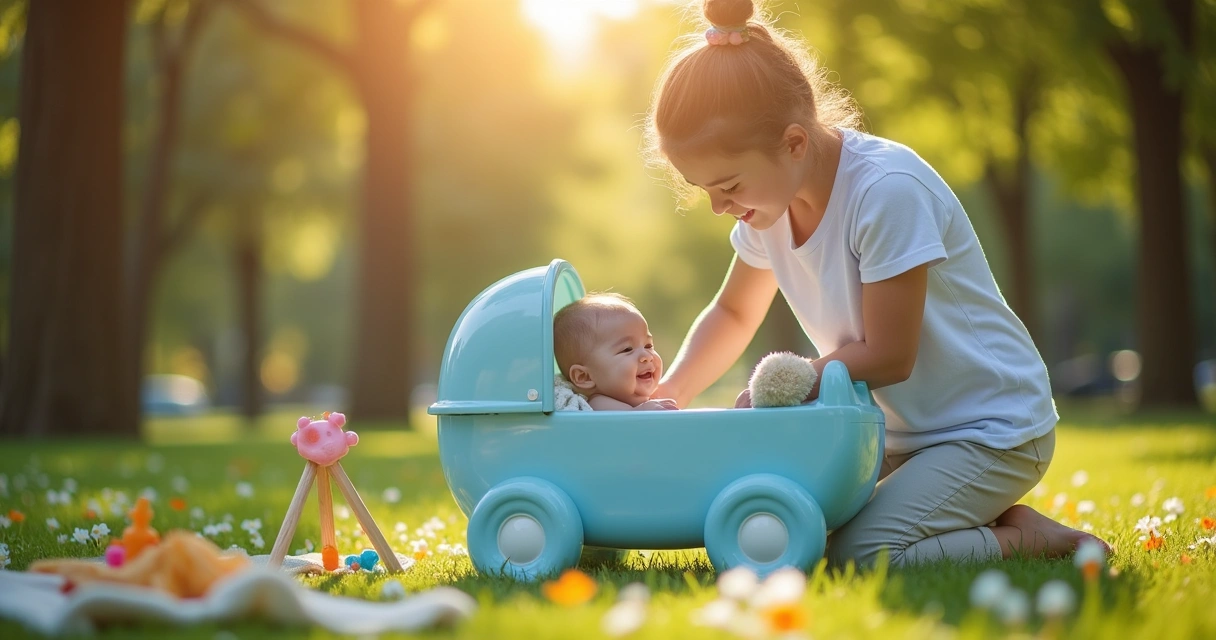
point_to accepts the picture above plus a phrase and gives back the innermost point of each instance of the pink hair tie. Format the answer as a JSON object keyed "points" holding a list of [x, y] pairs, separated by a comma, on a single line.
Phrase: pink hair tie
{"points": [[718, 36]]}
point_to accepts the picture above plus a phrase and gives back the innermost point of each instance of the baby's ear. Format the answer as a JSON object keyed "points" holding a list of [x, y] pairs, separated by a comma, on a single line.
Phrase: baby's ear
{"points": [[303, 422], [337, 419], [581, 377], [352, 438]]}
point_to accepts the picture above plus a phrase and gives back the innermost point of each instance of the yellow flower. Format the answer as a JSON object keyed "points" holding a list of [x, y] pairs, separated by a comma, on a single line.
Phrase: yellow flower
{"points": [[1210, 493], [573, 588]]}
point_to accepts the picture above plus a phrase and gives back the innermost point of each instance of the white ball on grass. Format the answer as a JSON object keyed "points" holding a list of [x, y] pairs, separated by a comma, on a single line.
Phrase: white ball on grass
{"points": [[782, 379]]}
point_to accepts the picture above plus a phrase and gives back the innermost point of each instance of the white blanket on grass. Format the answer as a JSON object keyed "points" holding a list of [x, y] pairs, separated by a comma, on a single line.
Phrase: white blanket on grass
{"points": [[35, 600]]}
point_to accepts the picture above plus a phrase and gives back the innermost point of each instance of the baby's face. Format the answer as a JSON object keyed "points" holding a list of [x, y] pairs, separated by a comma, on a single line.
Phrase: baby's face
{"points": [[623, 363]]}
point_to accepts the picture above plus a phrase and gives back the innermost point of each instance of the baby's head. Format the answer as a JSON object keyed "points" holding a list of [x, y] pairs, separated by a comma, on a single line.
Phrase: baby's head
{"points": [[604, 347]]}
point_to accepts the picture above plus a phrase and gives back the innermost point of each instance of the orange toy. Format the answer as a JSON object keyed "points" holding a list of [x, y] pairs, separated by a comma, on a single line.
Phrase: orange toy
{"points": [[184, 565], [139, 536]]}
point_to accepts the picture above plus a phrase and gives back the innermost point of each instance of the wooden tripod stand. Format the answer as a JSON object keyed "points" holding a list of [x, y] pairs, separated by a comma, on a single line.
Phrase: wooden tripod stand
{"points": [[321, 475]]}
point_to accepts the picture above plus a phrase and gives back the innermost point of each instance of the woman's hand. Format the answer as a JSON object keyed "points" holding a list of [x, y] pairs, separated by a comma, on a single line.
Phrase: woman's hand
{"points": [[658, 404]]}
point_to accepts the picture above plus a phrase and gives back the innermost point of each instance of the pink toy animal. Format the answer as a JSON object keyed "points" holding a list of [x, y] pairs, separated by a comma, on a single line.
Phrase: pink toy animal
{"points": [[323, 441]]}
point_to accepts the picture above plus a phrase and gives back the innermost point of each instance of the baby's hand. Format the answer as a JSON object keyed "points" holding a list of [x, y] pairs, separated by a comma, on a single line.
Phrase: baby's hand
{"points": [[658, 404]]}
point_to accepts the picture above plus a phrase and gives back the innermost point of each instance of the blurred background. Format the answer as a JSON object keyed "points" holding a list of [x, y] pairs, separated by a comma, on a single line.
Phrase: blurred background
{"points": [[227, 205]]}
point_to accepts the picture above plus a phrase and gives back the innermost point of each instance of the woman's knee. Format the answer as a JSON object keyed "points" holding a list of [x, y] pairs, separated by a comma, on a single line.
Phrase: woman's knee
{"points": [[864, 551]]}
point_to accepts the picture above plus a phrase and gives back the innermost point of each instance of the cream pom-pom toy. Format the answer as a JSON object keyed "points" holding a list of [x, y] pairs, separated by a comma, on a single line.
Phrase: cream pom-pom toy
{"points": [[782, 379]]}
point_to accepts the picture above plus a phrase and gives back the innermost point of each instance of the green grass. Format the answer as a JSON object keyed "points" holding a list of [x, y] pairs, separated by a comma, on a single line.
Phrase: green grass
{"points": [[1155, 594]]}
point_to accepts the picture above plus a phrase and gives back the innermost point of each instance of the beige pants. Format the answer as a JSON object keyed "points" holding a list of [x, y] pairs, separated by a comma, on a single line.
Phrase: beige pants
{"points": [[935, 503]]}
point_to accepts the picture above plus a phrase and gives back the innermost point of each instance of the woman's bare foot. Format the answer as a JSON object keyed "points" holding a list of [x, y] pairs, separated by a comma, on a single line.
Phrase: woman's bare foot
{"points": [[1022, 530]]}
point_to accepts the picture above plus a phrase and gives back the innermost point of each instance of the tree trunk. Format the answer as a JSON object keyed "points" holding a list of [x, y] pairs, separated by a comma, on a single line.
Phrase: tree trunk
{"points": [[1012, 192], [384, 363], [1209, 156], [65, 372], [248, 258], [1166, 337]]}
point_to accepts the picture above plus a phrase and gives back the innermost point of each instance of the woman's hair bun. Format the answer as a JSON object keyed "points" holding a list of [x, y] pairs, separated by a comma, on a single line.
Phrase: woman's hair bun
{"points": [[728, 13]]}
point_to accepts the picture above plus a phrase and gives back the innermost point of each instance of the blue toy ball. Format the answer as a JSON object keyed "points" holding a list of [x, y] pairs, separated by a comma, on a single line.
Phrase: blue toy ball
{"points": [[366, 560]]}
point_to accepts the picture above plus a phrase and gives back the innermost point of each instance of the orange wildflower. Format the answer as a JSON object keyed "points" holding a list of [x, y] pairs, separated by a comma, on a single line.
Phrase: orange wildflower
{"points": [[1210, 493], [420, 555], [1154, 542], [1185, 559], [90, 514], [785, 617], [1208, 523], [177, 504], [1091, 569], [573, 588], [16, 516]]}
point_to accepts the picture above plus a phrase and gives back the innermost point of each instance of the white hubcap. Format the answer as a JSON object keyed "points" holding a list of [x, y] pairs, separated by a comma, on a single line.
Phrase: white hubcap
{"points": [[521, 539], [763, 537]]}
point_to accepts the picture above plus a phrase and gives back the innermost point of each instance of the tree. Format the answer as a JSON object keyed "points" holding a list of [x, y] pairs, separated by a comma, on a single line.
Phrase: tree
{"points": [[377, 64], [64, 374], [1151, 50], [155, 236]]}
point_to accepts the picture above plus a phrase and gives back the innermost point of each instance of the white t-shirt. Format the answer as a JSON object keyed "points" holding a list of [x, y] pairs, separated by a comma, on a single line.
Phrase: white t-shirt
{"points": [[978, 376]]}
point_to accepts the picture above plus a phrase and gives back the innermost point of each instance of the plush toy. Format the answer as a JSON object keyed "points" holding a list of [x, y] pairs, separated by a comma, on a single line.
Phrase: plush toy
{"points": [[782, 379], [323, 441]]}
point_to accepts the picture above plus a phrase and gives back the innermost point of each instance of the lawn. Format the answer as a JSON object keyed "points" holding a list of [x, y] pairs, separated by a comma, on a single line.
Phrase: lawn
{"points": [[1109, 472]]}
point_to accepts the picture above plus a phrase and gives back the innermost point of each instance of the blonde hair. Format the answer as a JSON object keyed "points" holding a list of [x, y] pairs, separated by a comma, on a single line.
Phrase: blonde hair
{"points": [[574, 326], [737, 98]]}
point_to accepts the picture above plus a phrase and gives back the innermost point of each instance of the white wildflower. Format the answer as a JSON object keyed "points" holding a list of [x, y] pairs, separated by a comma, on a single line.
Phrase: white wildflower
{"points": [[738, 583], [459, 550], [308, 546], [210, 531], [1173, 506], [392, 590], [624, 618], [1059, 501], [62, 538], [257, 541], [1170, 517], [1149, 524], [52, 497], [52, 524], [1137, 499], [783, 586], [989, 588], [81, 536], [634, 591], [1014, 608], [5, 522], [197, 513], [100, 530], [1089, 552], [1056, 599], [252, 526], [418, 545], [244, 490], [434, 524], [343, 512], [399, 527], [718, 614], [69, 485], [180, 484], [4, 556], [392, 495], [228, 517], [1086, 506], [1080, 478]]}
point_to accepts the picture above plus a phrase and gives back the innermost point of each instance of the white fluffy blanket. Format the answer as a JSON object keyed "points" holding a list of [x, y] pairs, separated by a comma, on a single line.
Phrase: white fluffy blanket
{"points": [[35, 600], [565, 398]]}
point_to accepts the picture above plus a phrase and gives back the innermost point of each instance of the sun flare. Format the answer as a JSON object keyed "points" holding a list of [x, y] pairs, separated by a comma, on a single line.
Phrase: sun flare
{"points": [[570, 25]]}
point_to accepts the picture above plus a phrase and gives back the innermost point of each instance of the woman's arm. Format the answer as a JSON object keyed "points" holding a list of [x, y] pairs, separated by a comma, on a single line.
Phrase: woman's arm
{"points": [[721, 333], [892, 311]]}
